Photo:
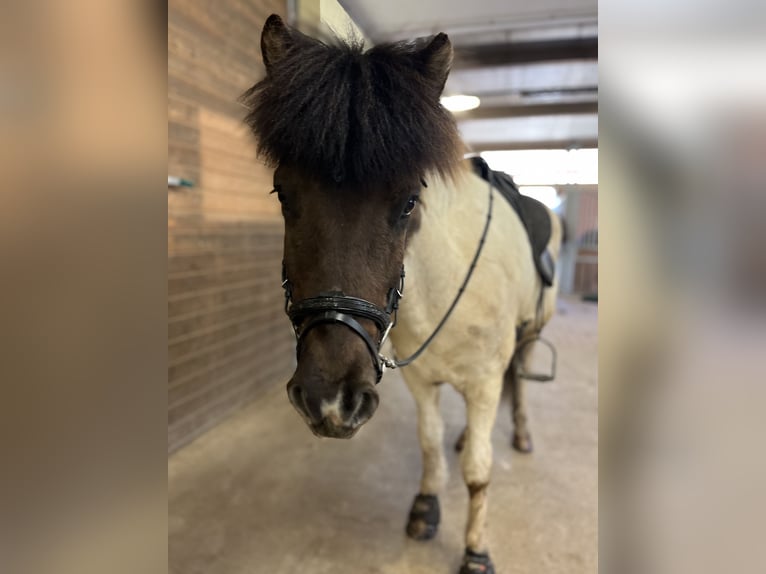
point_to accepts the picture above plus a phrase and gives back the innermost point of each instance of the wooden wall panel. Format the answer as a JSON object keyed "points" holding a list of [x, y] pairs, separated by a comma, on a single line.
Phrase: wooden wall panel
{"points": [[586, 266], [228, 339]]}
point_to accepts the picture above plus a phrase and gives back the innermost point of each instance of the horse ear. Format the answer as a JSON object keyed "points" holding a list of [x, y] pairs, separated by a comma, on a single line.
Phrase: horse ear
{"points": [[435, 61], [276, 40]]}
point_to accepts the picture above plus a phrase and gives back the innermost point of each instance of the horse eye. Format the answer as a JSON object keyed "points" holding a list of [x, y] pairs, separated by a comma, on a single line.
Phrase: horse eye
{"points": [[280, 196], [411, 203]]}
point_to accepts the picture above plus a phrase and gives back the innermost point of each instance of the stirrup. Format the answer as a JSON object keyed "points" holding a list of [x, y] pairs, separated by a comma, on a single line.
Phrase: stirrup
{"points": [[539, 377]]}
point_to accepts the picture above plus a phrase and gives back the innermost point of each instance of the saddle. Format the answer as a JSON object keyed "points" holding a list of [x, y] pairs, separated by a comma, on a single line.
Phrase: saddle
{"points": [[533, 214]]}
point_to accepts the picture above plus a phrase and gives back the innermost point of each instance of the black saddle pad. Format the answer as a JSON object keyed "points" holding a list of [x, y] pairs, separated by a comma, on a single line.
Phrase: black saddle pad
{"points": [[532, 213]]}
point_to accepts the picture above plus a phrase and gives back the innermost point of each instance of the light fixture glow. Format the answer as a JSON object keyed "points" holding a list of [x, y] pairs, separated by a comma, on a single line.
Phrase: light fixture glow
{"points": [[547, 166], [460, 103], [542, 193]]}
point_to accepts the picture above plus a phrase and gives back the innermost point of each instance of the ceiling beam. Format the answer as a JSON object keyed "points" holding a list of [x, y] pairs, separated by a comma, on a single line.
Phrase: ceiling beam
{"points": [[506, 53], [547, 144], [517, 111]]}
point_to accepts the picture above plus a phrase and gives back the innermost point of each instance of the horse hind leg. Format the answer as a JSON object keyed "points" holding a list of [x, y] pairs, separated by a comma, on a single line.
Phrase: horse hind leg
{"points": [[521, 439]]}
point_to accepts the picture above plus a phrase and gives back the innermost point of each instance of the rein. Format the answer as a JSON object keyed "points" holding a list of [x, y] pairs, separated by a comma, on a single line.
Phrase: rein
{"points": [[396, 363], [336, 307]]}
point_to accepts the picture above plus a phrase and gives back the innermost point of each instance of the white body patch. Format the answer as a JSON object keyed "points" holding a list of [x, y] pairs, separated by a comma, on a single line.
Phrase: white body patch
{"points": [[475, 347]]}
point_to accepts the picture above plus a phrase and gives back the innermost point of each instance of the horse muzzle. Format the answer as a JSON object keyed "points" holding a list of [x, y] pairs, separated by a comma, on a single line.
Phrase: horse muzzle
{"points": [[333, 411]]}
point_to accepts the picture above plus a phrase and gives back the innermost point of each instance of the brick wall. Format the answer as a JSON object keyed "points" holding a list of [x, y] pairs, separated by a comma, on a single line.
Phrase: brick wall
{"points": [[228, 340]]}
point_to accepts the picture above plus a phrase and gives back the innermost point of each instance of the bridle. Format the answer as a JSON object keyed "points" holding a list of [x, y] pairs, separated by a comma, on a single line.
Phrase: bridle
{"points": [[337, 307]]}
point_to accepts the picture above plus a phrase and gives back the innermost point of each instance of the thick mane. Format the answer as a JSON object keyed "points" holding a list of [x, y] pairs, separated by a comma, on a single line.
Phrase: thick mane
{"points": [[349, 116]]}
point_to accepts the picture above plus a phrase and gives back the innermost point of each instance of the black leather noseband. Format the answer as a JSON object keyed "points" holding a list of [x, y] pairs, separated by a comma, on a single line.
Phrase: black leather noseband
{"points": [[336, 307]]}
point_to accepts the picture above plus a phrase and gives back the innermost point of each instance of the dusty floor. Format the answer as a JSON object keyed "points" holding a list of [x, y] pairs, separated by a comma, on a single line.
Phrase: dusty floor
{"points": [[260, 494]]}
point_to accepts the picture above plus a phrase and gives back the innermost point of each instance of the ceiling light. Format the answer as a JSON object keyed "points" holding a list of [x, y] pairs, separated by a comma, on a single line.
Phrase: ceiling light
{"points": [[460, 103]]}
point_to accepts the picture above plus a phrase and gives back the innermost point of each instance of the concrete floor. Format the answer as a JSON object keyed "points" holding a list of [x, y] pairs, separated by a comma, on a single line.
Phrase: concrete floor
{"points": [[260, 494]]}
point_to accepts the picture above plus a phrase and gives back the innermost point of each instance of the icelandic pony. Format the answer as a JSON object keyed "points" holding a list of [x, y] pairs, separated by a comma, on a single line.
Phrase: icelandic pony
{"points": [[371, 182]]}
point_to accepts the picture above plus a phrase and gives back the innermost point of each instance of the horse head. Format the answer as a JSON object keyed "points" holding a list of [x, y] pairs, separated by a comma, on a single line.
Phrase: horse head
{"points": [[352, 133]]}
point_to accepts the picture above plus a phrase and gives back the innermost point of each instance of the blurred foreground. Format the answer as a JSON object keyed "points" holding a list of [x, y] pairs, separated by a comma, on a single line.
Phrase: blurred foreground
{"points": [[683, 288]]}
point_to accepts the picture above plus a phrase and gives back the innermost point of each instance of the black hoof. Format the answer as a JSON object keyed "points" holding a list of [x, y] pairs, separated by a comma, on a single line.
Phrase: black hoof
{"points": [[476, 563], [521, 443], [424, 517]]}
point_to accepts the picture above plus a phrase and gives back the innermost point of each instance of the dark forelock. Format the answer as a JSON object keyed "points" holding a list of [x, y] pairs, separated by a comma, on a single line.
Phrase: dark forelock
{"points": [[349, 116]]}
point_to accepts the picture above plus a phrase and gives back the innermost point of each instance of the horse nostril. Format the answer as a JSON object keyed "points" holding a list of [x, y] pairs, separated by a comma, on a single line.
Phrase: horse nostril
{"points": [[348, 399], [297, 397], [357, 402], [366, 401]]}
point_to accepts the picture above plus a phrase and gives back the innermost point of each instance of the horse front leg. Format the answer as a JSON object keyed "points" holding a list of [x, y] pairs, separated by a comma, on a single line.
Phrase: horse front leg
{"points": [[476, 463], [424, 516]]}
